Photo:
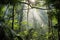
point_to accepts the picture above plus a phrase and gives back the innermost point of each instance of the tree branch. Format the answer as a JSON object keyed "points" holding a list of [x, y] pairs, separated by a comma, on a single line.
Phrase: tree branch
{"points": [[32, 6]]}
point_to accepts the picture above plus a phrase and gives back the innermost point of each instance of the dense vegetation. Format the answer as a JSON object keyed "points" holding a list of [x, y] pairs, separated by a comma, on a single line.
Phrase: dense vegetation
{"points": [[14, 26]]}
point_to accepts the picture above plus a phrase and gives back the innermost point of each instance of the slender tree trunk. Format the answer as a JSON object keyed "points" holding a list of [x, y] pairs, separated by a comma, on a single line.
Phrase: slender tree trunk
{"points": [[13, 17], [28, 16], [13, 21], [28, 38], [49, 24]]}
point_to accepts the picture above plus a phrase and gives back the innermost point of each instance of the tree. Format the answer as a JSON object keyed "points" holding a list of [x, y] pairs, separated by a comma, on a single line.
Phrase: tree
{"points": [[55, 4]]}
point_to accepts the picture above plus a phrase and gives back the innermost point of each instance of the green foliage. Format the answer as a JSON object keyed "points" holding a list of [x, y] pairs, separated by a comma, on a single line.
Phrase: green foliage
{"points": [[24, 33], [35, 34], [24, 22], [32, 34], [54, 21], [2, 10]]}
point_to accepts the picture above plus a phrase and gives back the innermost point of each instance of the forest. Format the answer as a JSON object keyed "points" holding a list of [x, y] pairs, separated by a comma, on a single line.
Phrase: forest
{"points": [[29, 19]]}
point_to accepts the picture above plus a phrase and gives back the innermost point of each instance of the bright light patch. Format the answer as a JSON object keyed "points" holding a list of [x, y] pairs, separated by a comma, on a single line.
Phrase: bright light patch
{"points": [[32, 0]]}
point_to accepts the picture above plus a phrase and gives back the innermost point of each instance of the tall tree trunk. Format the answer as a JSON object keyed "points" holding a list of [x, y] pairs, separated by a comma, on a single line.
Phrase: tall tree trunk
{"points": [[28, 37], [50, 24], [28, 16], [13, 17]]}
